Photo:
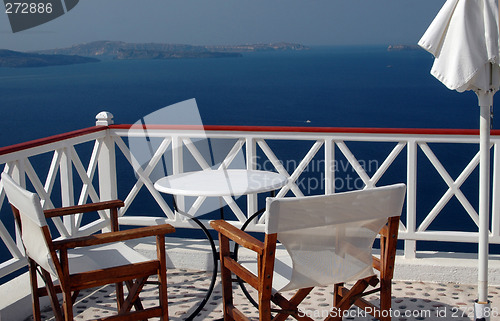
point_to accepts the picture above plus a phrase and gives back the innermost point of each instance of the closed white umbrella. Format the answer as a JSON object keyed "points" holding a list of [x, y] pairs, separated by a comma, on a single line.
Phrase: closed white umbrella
{"points": [[464, 41]]}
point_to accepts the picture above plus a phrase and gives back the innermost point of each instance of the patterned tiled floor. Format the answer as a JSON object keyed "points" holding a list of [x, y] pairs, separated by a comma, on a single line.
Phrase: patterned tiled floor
{"points": [[411, 301]]}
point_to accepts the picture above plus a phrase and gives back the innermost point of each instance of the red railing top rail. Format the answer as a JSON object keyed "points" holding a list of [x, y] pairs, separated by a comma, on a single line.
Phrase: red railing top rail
{"points": [[285, 129], [51, 139], [353, 130]]}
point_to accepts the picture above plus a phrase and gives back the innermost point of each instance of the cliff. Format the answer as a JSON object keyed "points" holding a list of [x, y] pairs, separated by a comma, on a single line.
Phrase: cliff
{"points": [[120, 49], [157, 54], [15, 59], [403, 47], [84, 53]]}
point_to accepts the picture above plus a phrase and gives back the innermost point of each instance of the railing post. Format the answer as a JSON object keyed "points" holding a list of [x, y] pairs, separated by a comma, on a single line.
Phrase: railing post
{"points": [[177, 168], [67, 190], [19, 176], [410, 246], [329, 166], [251, 151], [106, 161], [18, 173]]}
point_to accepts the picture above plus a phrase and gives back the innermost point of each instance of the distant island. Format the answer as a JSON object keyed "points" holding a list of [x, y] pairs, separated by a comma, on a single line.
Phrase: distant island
{"points": [[16, 59], [124, 50], [403, 47], [86, 52], [158, 54]]}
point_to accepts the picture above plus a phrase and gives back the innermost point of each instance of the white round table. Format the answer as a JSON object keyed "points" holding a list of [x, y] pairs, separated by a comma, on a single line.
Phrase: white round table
{"points": [[217, 183]]}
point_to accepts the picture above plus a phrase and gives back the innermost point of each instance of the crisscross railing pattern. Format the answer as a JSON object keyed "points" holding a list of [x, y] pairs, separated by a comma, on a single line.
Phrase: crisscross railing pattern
{"points": [[85, 165]]}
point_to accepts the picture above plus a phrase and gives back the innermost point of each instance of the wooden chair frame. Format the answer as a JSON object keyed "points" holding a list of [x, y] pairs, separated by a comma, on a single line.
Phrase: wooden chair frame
{"points": [[343, 297], [133, 275]]}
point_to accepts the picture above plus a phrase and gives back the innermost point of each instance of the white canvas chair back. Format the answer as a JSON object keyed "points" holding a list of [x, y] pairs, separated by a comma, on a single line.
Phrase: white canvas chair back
{"points": [[33, 220], [330, 237]]}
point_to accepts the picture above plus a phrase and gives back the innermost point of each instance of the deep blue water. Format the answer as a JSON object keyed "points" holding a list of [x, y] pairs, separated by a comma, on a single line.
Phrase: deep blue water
{"points": [[344, 86], [325, 86]]}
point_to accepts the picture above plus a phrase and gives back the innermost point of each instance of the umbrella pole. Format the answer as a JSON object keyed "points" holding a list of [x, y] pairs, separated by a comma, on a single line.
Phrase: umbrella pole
{"points": [[484, 183], [482, 304]]}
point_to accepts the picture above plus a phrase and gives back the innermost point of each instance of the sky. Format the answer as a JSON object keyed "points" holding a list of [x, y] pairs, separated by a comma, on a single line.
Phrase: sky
{"points": [[204, 22]]}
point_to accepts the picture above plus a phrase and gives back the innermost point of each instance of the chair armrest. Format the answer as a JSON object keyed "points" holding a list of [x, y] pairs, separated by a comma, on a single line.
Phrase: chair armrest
{"points": [[91, 207], [238, 236], [112, 237]]}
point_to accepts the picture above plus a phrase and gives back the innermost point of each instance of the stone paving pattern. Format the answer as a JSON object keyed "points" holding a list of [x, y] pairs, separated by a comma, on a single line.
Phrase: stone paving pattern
{"points": [[411, 301]]}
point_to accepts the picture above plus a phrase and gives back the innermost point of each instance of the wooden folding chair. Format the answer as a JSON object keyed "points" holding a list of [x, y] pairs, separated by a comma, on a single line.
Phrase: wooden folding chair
{"points": [[73, 264], [328, 240]]}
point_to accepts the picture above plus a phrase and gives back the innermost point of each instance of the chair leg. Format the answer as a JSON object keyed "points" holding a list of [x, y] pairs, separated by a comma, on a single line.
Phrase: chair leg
{"points": [[337, 297], [74, 296], [64, 281], [51, 292], [349, 297], [337, 288], [385, 299], [132, 299], [266, 268], [388, 256], [162, 275], [35, 298], [227, 287], [68, 305], [135, 288], [264, 308], [34, 291], [291, 305], [119, 295]]}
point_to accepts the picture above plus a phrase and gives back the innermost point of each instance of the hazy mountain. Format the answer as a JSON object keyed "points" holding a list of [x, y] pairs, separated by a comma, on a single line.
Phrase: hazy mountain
{"points": [[15, 59], [122, 49]]}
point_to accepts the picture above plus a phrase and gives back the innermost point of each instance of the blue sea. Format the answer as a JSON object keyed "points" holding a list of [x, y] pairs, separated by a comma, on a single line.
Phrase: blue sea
{"points": [[329, 86], [323, 86]]}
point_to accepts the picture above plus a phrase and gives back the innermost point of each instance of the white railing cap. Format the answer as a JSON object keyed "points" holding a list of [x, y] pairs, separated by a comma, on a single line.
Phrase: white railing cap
{"points": [[104, 118]]}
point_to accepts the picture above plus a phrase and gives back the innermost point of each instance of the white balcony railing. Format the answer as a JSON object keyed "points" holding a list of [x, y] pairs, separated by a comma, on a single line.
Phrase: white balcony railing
{"points": [[97, 164]]}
